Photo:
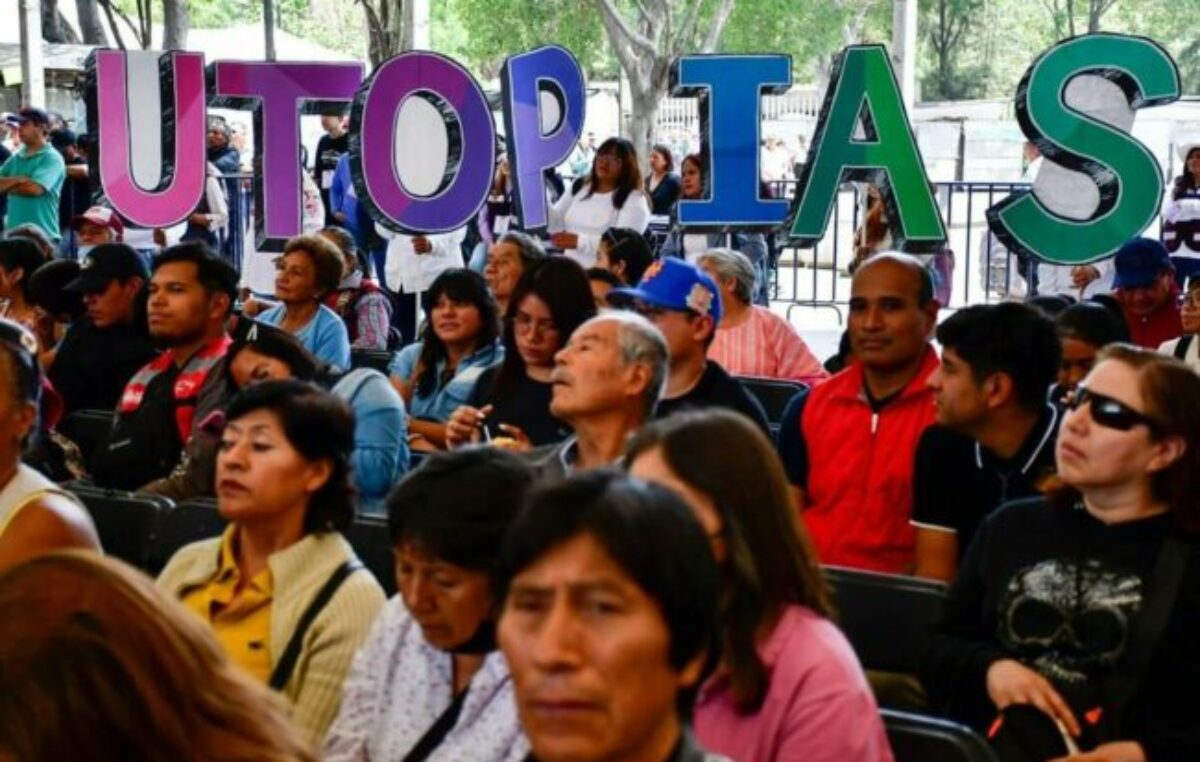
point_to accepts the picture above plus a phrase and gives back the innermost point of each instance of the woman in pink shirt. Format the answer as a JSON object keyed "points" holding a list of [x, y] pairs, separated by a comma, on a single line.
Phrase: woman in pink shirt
{"points": [[751, 340], [788, 686]]}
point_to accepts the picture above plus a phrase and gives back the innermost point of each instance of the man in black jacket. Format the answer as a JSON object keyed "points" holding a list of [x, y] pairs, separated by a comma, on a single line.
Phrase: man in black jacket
{"points": [[104, 348]]}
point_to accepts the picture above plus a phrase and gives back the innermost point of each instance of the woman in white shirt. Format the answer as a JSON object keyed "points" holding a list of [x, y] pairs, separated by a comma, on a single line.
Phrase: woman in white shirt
{"points": [[612, 196], [429, 684]]}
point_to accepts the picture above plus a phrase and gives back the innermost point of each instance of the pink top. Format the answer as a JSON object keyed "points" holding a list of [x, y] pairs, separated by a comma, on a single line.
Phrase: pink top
{"points": [[818, 707], [766, 346]]}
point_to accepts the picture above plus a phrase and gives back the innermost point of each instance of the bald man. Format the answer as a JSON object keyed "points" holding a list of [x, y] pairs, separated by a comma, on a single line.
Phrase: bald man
{"points": [[849, 444]]}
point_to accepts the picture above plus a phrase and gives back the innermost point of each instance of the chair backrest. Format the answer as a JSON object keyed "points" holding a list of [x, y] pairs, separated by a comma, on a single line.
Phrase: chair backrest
{"points": [[125, 521], [773, 393], [886, 617], [190, 521], [87, 429], [372, 541], [379, 359], [917, 738]]}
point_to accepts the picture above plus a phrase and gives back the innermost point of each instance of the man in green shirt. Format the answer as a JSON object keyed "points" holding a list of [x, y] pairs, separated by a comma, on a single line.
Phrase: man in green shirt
{"points": [[33, 177]]}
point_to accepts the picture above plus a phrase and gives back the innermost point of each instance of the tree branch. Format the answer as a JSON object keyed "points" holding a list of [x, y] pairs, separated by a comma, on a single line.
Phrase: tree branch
{"points": [[622, 29], [112, 23], [717, 26]]}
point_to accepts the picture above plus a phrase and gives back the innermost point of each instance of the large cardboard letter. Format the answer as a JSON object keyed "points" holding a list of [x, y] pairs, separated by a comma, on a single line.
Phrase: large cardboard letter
{"points": [[863, 89], [730, 90], [278, 93], [180, 182], [1124, 171], [377, 136], [544, 104]]}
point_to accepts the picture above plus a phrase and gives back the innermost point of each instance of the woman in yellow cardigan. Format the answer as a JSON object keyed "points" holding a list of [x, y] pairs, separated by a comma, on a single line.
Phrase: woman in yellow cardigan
{"points": [[282, 588]]}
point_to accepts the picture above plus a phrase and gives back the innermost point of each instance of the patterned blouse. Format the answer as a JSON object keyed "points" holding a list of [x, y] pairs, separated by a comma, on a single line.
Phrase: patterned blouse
{"points": [[400, 685]]}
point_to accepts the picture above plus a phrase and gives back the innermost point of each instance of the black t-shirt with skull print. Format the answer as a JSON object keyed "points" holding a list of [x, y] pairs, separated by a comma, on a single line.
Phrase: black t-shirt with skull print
{"points": [[1058, 590]]}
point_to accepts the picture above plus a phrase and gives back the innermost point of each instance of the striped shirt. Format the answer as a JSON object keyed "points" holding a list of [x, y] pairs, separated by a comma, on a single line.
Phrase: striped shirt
{"points": [[765, 346]]}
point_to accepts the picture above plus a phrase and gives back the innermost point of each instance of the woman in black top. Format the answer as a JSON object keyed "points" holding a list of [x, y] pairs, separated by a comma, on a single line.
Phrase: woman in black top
{"points": [[511, 403], [1054, 590], [662, 184]]}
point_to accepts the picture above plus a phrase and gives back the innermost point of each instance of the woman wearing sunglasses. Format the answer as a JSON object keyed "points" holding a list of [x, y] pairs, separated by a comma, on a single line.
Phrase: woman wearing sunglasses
{"points": [[1085, 603]]}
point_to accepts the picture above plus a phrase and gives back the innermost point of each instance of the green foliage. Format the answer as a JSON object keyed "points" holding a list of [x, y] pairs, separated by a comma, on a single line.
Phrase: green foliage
{"points": [[483, 32], [812, 32]]}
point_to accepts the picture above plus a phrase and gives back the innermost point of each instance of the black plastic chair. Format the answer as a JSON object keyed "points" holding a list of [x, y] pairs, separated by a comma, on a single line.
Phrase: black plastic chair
{"points": [[886, 617], [372, 541], [87, 429], [379, 359], [188, 522], [126, 521], [773, 393], [917, 738]]}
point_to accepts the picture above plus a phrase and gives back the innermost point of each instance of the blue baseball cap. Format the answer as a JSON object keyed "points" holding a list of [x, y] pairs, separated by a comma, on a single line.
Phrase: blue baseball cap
{"points": [[674, 284], [1138, 262]]}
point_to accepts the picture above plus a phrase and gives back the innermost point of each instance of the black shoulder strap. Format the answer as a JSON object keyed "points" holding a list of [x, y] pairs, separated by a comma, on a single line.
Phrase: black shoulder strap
{"points": [[283, 668], [437, 731], [1181, 347], [1123, 681]]}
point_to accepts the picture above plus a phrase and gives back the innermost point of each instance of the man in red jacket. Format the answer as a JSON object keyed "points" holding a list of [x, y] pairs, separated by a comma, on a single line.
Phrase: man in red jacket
{"points": [[850, 443], [1145, 286]]}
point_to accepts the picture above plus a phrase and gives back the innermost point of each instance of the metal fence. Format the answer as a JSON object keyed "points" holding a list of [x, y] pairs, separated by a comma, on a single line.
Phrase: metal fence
{"points": [[983, 269], [817, 277]]}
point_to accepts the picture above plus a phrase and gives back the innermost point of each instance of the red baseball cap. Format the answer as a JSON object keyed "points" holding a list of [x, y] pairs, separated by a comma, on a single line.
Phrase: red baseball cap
{"points": [[101, 216]]}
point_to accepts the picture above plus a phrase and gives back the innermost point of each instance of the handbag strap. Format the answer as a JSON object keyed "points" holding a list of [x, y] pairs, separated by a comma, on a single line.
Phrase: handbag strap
{"points": [[1181, 347], [438, 731], [1123, 681], [287, 663]]}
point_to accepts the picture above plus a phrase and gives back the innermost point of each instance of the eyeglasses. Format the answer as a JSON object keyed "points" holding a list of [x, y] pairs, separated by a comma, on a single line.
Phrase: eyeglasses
{"points": [[528, 324], [611, 158], [1110, 413]]}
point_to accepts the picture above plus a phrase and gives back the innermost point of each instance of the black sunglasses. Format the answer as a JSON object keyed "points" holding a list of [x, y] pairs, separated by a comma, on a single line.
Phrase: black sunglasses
{"points": [[1109, 412]]}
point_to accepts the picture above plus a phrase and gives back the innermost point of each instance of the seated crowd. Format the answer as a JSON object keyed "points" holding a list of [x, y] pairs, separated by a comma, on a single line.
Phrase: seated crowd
{"points": [[604, 546]]}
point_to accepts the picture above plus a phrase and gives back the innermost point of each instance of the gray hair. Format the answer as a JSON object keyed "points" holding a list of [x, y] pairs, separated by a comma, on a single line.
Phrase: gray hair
{"points": [[529, 247], [730, 263], [641, 342]]}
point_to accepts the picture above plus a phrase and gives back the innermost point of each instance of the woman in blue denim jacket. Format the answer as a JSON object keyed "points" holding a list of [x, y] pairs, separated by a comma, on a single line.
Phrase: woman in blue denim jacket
{"points": [[460, 340]]}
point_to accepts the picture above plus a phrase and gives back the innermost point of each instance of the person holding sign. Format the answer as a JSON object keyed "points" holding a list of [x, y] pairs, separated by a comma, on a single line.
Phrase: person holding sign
{"points": [[612, 196]]}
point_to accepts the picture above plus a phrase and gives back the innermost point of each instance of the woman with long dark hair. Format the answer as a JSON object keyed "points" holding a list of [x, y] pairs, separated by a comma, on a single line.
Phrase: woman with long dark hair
{"points": [[1082, 603], [788, 685], [512, 401], [461, 340], [663, 183], [1181, 217], [612, 196]]}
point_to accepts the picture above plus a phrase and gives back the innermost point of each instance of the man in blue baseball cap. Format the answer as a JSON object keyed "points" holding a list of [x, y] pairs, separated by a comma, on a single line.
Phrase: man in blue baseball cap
{"points": [[1145, 286], [685, 304]]}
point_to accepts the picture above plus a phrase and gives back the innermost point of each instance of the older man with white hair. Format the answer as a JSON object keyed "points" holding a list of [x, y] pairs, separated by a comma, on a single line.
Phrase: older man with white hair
{"points": [[752, 340], [607, 380]]}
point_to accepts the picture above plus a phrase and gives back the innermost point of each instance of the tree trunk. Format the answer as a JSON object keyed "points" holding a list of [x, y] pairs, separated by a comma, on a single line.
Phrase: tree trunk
{"points": [[90, 25], [642, 122], [55, 27], [175, 24]]}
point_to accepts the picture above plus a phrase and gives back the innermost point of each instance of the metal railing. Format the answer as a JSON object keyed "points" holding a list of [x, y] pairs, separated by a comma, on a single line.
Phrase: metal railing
{"points": [[817, 277]]}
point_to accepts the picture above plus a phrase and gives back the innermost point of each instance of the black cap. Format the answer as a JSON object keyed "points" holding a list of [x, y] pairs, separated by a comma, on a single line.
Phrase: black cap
{"points": [[63, 139], [31, 114], [108, 262]]}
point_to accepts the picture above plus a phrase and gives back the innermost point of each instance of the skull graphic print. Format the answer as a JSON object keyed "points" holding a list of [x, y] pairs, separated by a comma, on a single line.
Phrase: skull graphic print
{"points": [[1069, 620]]}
